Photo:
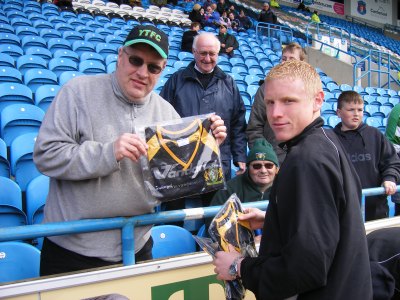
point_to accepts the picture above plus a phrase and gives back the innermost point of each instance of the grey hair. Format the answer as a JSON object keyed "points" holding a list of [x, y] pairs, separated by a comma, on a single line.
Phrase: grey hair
{"points": [[207, 35]]}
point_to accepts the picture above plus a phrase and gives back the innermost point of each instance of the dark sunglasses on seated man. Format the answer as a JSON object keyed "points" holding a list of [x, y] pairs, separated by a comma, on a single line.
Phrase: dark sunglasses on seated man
{"points": [[137, 62], [258, 166]]}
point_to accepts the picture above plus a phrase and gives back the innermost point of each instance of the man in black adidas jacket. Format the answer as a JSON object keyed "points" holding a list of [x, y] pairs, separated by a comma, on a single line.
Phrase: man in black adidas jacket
{"points": [[313, 244]]}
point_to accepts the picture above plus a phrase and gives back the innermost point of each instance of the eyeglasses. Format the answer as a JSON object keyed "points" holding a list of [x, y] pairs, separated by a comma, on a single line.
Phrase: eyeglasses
{"points": [[205, 53], [258, 166], [137, 62]]}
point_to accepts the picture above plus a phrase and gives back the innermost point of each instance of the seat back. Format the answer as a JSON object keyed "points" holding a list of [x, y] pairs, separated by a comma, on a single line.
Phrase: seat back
{"points": [[18, 261], [11, 93], [36, 77], [4, 163], [170, 240], [17, 119], [36, 194], [45, 95], [22, 165]]}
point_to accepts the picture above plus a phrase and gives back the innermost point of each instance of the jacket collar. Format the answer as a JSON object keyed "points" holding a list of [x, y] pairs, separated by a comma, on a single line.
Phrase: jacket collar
{"points": [[190, 73], [317, 123]]}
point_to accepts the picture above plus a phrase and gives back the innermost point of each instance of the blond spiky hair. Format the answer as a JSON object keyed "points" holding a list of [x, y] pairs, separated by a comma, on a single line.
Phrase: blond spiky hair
{"points": [[295, 69]]}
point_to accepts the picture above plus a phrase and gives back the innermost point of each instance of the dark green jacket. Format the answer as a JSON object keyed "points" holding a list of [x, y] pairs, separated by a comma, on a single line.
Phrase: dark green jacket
{"points": [[244, 188]]}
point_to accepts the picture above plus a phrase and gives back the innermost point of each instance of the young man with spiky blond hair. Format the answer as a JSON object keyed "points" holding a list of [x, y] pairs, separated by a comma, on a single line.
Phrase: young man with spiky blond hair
{"points": [[313, 244]]}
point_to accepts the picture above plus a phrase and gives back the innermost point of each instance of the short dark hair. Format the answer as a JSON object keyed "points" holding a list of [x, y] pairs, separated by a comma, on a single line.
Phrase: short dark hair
{"points": [[349, 97], [194, 24]]}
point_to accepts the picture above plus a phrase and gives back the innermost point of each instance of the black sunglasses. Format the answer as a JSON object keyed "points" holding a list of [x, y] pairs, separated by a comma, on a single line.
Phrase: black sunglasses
{"points": [[258, 166], [137, 62]]}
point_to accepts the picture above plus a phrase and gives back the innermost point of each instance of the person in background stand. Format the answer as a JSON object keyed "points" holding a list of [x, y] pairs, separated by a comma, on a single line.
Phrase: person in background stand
{"points": [[266, 15], [228, 41], [315, 18], [393, 135], [188, 37], [258, 125]]}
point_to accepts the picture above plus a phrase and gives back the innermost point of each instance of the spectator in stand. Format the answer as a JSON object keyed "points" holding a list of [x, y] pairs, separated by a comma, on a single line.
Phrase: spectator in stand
{"points": [[373, 156], [63, 3], [202, 87], [228, 41], [225, 20], [302, 7], [207, 3], [393, 135], [86, 145], [244, 20], [266, 15], [255, 184], [233, 10], [195, 14], [313, 244], [188, 37], [258, 125], [221, 6], [211, 17], [235, 23], [315, 17], [274, 4]]}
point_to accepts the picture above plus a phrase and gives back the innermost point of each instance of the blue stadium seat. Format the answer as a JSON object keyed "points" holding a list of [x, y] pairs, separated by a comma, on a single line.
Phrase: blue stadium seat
{"points": [[22, 31], [9, 38], [67, 15], [83, 29], [49, 34], [72, 36], [40, 51], [36, 194], [9, 74], [43, 24], [7, 28], [11, 213], [94, 37], [374, 122], [61, 27], [4, 163], [33, 41], [67, 54], [111, 67], [56, 19], [170, 240], [45, 94], [33, 16], [345, 87], [18, 119], [92, 56], [67, 75], [7, 60], [185, 56], [103, 32], [22, 165], [240, 70], [12, 93], [333, 121], [19, 261], [55, 44], [91, 67], [105, 49], [371, 108], [12, 50], [36, 77], [112, 58], [62, 64], [82, 46], [180, 64], [26, 62]]}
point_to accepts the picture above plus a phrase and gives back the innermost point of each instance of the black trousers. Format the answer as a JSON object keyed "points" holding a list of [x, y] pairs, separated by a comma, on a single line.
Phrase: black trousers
{"points": [[55, 259]]}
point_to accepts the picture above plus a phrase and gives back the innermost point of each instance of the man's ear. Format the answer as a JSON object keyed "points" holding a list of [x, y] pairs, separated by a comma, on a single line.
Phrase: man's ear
{"points": [[318, 101]]}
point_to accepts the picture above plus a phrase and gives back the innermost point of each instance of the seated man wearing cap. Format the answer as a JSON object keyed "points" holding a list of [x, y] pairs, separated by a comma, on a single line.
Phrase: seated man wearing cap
{"points": [[256, 182], [228, 41], [88, 147]]}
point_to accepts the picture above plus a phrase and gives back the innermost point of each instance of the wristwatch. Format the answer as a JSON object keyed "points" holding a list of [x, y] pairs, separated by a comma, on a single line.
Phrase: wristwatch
{"points": [[233, 269]]}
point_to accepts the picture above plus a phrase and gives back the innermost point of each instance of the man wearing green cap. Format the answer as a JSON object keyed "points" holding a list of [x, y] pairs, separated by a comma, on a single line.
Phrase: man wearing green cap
{"points": [[88, 147], [255, 183]]}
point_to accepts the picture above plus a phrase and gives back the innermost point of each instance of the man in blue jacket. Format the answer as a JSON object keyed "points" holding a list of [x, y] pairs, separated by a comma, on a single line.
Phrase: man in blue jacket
{"points": [[201, 88]]}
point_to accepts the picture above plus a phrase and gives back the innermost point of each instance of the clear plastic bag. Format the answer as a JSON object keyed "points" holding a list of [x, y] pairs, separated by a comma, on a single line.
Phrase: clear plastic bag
{"points": [[226, 229], [183, 158]]}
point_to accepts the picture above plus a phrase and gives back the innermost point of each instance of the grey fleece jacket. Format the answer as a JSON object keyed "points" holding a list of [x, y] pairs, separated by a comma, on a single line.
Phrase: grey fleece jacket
{"points": [[75, 149]]}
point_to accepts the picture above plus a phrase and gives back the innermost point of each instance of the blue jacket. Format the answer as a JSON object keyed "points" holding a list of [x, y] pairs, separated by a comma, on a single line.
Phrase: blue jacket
{"points": [[186, 94]]}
